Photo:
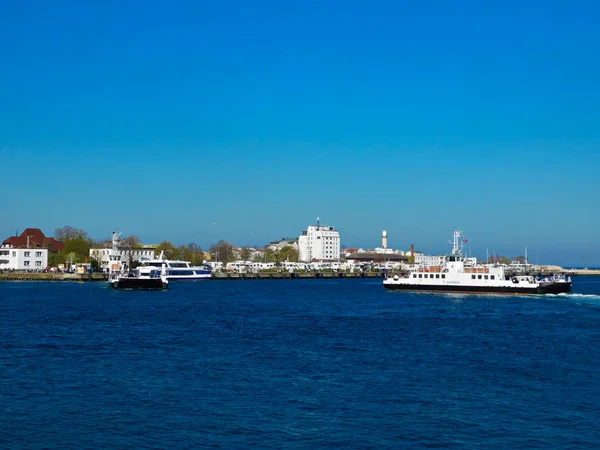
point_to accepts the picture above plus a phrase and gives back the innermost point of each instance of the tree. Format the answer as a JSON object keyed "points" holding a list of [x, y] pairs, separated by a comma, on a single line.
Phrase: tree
{"points": [[54, 259], [192, 253], [245, 254], [77, 248], [67, 233], [289, 253], [132, 242], [272, 256], [169, 250], [223, 252], [95, 265]]}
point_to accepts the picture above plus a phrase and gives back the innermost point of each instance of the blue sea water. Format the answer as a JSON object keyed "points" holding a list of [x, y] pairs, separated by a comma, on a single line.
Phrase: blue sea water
{"points": [[296, 364]]}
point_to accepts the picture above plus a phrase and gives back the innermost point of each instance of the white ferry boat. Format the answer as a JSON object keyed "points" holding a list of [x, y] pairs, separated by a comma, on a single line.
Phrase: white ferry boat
{"points": [[143, 278], [456, 274], [179, 270]]}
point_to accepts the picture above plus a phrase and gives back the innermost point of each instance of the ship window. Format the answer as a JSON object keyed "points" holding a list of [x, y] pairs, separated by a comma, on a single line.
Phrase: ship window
{"points": [[492, 277], [437, 275], [473, 277], [414, 275], [479, 277], [443, 275], [420, 275], [485, 277]]}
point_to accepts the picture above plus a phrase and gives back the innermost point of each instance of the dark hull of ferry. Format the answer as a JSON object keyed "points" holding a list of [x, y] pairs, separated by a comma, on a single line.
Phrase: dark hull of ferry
{"points": [[147, 284], [554, 288]]}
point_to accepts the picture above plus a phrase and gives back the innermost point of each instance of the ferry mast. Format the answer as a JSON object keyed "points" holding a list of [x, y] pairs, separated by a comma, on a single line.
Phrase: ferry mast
{"points": [[457, 244]]}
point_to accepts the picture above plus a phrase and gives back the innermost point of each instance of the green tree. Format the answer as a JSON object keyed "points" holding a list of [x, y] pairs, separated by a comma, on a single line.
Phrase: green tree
{"points": [[78, 248], [245, 253], [192, 253], [272, 256], [95, 264], [288, 253], [169, 250], [54, 259]]}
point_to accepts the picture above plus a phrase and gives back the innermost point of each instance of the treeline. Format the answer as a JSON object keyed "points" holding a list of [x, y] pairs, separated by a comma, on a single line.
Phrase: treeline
{"points": [[78, 244]]}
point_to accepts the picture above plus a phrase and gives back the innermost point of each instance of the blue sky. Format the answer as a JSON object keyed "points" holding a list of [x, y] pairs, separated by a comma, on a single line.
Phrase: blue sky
{"points": [[244, 121]]}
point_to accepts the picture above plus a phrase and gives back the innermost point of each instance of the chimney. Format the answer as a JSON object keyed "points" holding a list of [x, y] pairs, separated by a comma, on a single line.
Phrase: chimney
{"points": [[412, 253], [27, 241]]}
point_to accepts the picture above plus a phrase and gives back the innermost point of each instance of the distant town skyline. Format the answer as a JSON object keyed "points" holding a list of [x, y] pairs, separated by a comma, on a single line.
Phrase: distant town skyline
{"points": [[195, 122], [440, 246]]}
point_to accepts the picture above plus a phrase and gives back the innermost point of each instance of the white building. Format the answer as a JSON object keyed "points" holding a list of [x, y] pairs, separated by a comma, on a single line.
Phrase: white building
{"points": [[23, 258], [128, 255], [319, 243], [437, 260], [427, 260]]}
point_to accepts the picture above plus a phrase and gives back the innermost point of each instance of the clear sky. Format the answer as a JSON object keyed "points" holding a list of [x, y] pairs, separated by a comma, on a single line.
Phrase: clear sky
{"points": [[245, 120]]}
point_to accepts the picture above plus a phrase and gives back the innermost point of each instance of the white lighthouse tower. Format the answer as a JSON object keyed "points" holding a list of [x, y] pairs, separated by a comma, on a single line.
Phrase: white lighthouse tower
{"points": [[384, 239]]}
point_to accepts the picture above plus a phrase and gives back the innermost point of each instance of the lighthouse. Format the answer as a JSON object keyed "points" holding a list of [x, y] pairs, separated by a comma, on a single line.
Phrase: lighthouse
{"points": [[384, 239]]}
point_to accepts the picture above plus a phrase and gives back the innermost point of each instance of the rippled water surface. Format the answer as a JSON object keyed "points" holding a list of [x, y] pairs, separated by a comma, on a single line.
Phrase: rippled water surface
{"points": [[296, 364]]}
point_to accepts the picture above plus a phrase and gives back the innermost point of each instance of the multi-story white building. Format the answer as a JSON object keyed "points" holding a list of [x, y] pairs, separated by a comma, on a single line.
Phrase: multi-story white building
{"points": [[23, 258], [28, 251], [428, 260], [436, 260], [319, 243], [128, 255]]}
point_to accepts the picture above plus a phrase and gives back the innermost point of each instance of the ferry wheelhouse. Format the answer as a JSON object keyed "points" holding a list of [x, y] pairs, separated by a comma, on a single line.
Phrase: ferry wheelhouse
{"points": [[460, 274]]}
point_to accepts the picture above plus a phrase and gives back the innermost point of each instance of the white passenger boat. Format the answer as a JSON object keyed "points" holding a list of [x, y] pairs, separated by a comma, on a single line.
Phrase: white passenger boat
{"points": [[179, 270], [457, 274]]}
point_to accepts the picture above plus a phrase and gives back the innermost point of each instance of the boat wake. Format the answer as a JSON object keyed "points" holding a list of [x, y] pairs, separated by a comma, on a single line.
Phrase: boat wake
{"points": [[569, 295], [562, 296]]}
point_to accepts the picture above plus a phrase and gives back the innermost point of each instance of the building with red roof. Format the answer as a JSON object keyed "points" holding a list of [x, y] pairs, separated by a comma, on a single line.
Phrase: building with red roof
{"points": [[29, 251], [33, 238]]}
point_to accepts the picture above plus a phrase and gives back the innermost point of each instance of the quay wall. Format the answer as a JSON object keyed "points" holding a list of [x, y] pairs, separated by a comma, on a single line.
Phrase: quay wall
{"points": [[34, 276], [24, 276]]}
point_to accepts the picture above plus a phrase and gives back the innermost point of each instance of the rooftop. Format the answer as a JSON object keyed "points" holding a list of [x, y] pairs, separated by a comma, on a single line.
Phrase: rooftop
{"points": [[33, 238]]}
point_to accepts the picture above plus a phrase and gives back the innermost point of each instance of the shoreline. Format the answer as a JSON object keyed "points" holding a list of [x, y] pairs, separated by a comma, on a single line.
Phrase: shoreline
{"points": [[99, 277]]}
